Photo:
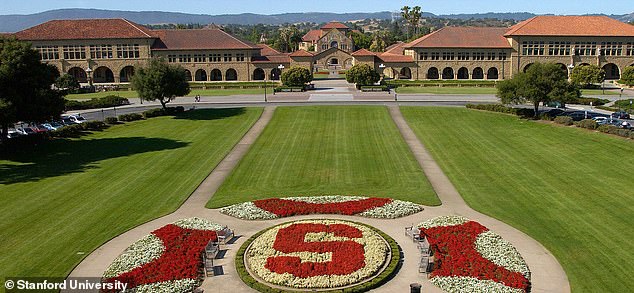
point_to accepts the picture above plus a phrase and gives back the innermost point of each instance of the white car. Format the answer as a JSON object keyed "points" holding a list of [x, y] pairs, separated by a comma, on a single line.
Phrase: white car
{"points": [[600, 119], [77, 119]]}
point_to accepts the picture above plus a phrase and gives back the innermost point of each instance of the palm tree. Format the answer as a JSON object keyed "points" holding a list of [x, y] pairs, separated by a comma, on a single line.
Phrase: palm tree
{"points": [[406, 14]]}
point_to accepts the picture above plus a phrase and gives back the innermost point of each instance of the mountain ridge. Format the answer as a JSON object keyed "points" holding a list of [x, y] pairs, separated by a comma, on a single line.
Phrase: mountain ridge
{"points": [[17, 22]]}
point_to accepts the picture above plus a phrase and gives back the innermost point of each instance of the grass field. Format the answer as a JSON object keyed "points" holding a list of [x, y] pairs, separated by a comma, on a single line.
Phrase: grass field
{"points": [[569, 188], [327, 151], [593, 92], [63, 200], [447, 90], [194, 92]]}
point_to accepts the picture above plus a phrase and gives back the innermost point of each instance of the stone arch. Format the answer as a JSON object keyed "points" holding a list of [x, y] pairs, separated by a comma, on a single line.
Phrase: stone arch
{"points": [[612, 71], [347, 63], [447, 73], [334, 61], [126, 74], [463, 73], [405, 73], [103, 74], [201, 75], [216, 75], [527, 67], [432, 73], [493, 73], [477, 73], [276, 74], [79, 74], [563, 67], [388, 72], [188, 75], [258, 74], [231, 74]]}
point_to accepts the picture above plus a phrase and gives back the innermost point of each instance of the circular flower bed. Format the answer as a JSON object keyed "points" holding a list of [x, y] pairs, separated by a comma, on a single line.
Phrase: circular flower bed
{"points": [[473, 259], [318, 255], [167, 260], [371, 207]]}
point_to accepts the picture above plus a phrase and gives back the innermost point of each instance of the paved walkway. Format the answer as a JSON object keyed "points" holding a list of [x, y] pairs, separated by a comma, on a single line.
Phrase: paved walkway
{"points": [[547, 274]]}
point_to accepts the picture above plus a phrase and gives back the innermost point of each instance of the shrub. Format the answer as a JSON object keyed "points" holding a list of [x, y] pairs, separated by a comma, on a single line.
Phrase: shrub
{"points": [[631, 135], [154, 113], [564, 120], [94, 125], [588, 124], [606, 128], [522, 112], [112, 120], [105, 102], [362, 75], [130, 117], [296, 76], [74, 130], [627, 76], [586, 101]]}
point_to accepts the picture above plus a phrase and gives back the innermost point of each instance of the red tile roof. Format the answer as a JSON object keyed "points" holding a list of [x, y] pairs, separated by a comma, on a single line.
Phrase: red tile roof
{"points": [[301, 53], [85, 29], [282, 58], [463, 37], [311, 36], [198, 39], [571, 26], [397, 48], [267, 50], [363, 53], [335, 24], [395, 58]]}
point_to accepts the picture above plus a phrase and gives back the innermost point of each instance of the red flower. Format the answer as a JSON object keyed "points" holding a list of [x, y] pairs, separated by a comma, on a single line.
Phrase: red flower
{"points": [[287, 208], [455, 251], [181, 259]]}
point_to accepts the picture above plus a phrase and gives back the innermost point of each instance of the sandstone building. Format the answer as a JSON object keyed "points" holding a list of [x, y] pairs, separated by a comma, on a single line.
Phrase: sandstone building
{"points": [[109, 50]]}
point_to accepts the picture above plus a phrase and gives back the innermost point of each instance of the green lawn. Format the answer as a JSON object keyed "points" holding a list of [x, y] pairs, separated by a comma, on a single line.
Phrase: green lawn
{"points": [[194, 92], [599, 93], [63, 200], [327, 151], [447, 90], [569, 188]]}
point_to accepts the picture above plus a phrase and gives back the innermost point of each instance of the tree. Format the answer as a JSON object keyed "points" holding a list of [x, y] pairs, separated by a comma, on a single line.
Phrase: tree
{"points": [[289, 38], [412, 18], [586, 75], [26, 92], [296, 76], [627, 77], [361, 40], [362, 74], [67, 82], [160, 81], [405, 13], [378, 44], [541, 83]]}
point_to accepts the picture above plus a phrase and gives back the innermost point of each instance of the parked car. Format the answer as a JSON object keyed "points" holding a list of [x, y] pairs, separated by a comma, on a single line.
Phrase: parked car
{"points": [[73, 119], [39, 128], [577, 115], [625, 125], [13, 133], [621, 115], [553, 112], [25, 130], [52, 125]]}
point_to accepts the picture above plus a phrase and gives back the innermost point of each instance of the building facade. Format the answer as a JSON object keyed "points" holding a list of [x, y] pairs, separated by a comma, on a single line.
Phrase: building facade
{"points": [[108, 50]]}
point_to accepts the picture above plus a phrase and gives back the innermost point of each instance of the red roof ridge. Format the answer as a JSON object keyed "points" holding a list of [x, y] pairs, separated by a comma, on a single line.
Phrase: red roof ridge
{"points": [[363, 52], [301, 53], [519, 26], [241, 41], [417, 41], [135, 26]]}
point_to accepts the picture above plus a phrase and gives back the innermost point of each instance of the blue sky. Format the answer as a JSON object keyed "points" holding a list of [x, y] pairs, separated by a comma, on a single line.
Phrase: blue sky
{"points": [[273, 7]]}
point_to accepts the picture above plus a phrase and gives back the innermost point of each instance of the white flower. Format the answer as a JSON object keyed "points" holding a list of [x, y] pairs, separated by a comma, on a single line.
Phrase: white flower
{"points": [[326, 198], [198, 224], [499, 251], [469, 284], [247, 211], [141, 252], [393, 210], [443, 221]]}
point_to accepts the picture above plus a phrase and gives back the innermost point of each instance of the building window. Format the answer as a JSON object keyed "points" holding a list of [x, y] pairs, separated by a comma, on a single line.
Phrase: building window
{"points": [[502, 56], [74, 52], [128, 51], [48, 52], [559, 48], [448, 55], [533, 48], [228, 57], [463, 56], [343, 47], [424, 56], [586, 49], [185, 58], [171, 58], [478, 56], [630, 49], [490, 55], [215, 57], [200, 58], [240, 57], [101, 51], [435, 56], [324, 47], [611, 48]]}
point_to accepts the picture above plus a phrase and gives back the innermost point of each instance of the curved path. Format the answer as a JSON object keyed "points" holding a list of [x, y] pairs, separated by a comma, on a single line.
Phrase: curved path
{"points": [[547, 274]]}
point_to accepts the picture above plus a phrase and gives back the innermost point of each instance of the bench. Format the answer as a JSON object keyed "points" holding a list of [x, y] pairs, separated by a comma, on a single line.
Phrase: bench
{"points": [[225, 235]]}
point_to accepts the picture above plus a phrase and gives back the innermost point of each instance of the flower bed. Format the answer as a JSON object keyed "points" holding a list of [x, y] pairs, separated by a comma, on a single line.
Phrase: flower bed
{"points": [[167, 260], [371, 207], [473, 259], [317, 254]]}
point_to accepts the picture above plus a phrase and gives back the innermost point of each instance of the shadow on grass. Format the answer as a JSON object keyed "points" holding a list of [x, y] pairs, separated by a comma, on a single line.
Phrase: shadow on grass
{"points": [[63, 157], [210, 114]]}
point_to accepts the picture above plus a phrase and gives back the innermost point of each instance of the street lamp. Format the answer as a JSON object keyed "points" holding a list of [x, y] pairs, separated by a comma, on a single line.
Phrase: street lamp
{"points": [[89, 73], [265, 88], [570, 68]]}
